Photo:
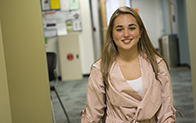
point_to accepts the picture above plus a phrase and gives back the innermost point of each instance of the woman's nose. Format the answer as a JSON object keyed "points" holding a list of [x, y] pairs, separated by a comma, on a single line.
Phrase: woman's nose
{"points": [[126, 33]]}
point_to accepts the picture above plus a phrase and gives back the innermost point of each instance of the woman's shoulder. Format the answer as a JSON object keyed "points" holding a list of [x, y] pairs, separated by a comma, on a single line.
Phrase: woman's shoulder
{"points": [[161, 62], [159, 59], [97, 64]]}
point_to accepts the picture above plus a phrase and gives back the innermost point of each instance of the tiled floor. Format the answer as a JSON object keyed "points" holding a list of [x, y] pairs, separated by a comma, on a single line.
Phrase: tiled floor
{"points": [[73, 95]]}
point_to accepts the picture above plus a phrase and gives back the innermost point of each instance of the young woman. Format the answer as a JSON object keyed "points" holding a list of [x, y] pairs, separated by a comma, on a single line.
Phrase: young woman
{"points": [[131, 82]]}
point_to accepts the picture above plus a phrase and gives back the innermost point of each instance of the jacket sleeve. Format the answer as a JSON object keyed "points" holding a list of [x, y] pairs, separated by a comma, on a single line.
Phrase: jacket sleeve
{"points": [[95, 100], [166, 113]]}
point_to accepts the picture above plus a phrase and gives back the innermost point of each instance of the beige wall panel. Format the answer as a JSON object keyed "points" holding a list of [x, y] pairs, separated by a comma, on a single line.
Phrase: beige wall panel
{"points": [[25, 59], [69, 45], [5, 113], [191, 19]]}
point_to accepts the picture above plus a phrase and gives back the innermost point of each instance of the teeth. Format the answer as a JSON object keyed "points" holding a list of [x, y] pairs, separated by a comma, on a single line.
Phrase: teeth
{"points": [[126, 41]]}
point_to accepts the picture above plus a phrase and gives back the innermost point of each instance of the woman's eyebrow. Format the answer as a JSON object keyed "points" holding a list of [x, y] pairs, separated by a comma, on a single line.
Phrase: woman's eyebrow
{"points": [[122, 25], [118, 26], [132, 25]]}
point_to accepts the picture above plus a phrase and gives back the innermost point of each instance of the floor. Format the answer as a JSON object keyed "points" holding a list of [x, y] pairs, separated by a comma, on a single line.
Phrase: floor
{"points": [[73, 96]]}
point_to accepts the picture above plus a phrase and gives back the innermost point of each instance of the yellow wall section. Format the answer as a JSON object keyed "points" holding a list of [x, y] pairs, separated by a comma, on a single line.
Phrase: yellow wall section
{"points": [[191, 19], [5, 113], [25, 58]]}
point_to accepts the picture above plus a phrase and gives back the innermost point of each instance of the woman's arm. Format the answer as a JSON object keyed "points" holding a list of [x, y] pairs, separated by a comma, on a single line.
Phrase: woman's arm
{"points": [[95, 100], [166, 113]]}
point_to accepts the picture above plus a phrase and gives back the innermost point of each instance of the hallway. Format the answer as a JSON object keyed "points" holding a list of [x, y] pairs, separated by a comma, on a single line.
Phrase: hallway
{"points": [[73, 95]]}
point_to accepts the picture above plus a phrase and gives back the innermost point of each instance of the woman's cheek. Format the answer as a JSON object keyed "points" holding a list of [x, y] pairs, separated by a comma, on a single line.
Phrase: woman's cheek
{"points": [[134, 33], [117, 35]]}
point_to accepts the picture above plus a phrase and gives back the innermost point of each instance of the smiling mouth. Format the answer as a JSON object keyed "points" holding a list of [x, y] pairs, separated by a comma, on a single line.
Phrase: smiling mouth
{"points": [[127, 41]]}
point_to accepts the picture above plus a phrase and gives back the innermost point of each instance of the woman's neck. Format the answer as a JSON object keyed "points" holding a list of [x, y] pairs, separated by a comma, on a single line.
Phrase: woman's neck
{"points": [[128, 56]]}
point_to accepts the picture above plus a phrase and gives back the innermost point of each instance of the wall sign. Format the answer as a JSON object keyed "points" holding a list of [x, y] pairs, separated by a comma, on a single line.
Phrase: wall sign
{"points": [[70, 57]]}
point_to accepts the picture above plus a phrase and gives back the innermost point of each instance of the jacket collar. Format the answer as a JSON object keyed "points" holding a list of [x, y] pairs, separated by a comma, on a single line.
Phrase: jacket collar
{"points": [[151, 98]]}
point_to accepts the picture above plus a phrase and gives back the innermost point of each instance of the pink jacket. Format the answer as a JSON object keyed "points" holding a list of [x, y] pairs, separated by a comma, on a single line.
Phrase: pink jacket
{"points": [[124, 105]]}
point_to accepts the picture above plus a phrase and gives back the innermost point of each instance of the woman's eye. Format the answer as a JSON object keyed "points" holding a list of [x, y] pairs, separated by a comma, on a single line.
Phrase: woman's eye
{"points": [[118, 30], [132, 28]]}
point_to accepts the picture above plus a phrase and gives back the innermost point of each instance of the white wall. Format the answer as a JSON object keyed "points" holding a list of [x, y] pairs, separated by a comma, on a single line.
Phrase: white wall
{"points": [[166, 20], [151, 14], [96, 25], [85, 40], [111, 6]]}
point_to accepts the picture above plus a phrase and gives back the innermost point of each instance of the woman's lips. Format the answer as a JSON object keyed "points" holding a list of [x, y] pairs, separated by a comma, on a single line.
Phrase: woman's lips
{"points": [[127, 41]]}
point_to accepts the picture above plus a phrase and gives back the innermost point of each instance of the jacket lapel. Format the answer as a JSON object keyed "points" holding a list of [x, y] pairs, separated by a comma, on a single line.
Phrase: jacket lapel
{"points": [[151, 92], [119, 89], [121, 85]]}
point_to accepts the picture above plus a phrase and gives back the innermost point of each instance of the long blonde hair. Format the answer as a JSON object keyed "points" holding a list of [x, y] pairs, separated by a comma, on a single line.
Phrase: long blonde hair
{"points": [[110, 51]]}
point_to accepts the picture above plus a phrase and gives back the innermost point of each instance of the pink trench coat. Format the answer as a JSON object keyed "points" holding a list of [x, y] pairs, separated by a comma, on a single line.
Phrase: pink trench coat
{"points": [[124, 105]]}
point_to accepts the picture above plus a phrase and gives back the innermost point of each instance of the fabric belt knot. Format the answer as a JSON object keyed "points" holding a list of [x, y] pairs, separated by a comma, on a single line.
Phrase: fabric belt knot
{"points": [[135, 118], [134, 121]]}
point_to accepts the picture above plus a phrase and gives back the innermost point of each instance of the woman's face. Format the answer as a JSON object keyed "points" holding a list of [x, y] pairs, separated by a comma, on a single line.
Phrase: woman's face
{"points": [[126, 32]]}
